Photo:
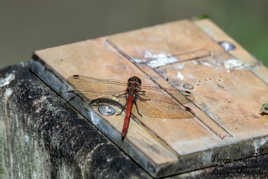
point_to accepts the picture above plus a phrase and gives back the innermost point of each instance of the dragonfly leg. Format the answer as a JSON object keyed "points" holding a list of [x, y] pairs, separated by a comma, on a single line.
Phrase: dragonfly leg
{"points": [[142, 99], [135, 103], [141, 92], [123, 108], [120, 95]]}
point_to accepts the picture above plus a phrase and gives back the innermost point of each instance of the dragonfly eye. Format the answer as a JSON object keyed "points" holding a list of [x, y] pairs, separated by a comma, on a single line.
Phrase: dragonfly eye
{"points": [[138, 81], [135, 79]]}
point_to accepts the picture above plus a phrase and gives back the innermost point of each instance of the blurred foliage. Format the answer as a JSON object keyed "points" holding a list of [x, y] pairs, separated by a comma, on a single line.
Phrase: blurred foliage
{"points": [[29, 25], [246, 22]]}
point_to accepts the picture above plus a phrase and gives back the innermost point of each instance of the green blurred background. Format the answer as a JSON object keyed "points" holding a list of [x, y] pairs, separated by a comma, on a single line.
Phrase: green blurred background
{"points": [[34, 24]]}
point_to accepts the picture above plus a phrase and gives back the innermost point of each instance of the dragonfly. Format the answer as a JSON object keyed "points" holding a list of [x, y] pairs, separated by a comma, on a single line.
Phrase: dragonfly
{"points": [[133, 90]]}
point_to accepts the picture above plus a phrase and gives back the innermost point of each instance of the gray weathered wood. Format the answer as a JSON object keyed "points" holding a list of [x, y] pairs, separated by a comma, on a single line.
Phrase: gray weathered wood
{"points": [[42, 137]]}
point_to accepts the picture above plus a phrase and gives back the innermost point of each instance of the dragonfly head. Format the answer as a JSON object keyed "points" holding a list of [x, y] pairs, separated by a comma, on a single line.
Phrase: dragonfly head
{"points": [[134, 79], [134, 82]]}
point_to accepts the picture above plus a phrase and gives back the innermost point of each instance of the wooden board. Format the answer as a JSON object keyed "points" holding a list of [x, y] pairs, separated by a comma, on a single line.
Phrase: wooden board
{"points": [[218, 35], [224, 103]]}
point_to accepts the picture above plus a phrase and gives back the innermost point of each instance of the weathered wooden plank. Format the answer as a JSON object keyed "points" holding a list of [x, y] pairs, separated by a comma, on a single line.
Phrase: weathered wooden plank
{"points": [[222, 106], [180, 41], [173, 39], [218, 35], [94, 54], [230, 96]]}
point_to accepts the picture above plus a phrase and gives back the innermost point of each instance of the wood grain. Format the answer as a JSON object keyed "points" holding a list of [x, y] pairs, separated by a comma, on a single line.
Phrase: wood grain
{"points": [[221, 107]]}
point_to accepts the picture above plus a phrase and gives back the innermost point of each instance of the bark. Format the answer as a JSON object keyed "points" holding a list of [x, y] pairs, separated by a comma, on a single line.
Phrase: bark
{"points": [[41, 136]]}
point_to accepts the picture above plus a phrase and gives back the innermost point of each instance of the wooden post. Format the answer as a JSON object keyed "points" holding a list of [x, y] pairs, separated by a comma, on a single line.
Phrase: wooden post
{"points": [[205, 99]]}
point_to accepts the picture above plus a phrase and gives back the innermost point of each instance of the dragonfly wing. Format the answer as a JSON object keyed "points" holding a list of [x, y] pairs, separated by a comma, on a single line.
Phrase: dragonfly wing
{"points": [[93, 87], [161, 105], [162, 110], [179, 93]]}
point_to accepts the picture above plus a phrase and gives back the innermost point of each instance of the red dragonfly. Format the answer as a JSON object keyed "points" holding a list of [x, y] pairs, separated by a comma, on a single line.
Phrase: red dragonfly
{"points": [[134, 92]]}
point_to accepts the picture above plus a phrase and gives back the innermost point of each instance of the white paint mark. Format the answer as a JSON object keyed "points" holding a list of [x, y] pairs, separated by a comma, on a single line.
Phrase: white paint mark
{"points": [[206, 157], [259, 143], [208, 31], [213, 63], [234, 64], [5, 81], [180, 76], [194, 62], [138, 60], [160, 59], [179, 66], [27, 139], [191, 76], [206, 64], [8, 93]]}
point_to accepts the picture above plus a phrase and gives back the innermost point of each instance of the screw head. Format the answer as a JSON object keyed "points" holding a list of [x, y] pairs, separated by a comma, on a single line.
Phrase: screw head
{"points": [[106, 110], [227, 46], [187, 86]]}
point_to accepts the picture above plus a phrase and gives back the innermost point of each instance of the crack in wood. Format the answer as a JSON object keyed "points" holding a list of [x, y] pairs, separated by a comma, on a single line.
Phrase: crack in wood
{"points": [[205, 125]]}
